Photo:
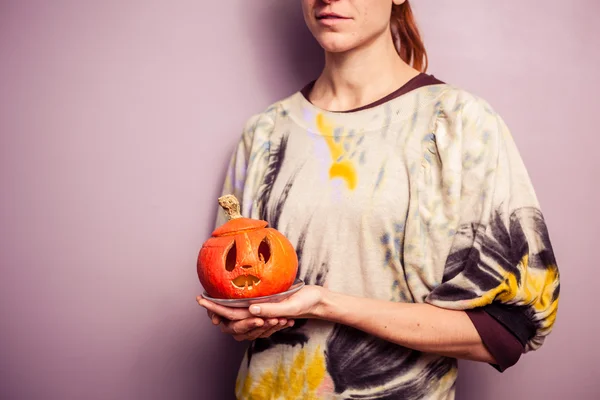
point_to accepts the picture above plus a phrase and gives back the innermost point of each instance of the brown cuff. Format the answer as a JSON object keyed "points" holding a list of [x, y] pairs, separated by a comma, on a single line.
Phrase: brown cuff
{"points": [[500, 342]]}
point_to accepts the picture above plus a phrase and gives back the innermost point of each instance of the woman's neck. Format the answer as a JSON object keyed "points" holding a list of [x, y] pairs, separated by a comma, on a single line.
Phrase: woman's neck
{"points": [[360, 76]]}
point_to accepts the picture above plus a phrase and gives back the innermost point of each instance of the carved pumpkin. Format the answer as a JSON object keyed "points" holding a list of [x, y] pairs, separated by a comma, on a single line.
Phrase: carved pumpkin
{"points": [[244, 258]]}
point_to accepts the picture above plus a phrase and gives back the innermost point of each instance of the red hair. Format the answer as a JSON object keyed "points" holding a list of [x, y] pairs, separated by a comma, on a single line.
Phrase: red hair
{"points": [[407, 38]]}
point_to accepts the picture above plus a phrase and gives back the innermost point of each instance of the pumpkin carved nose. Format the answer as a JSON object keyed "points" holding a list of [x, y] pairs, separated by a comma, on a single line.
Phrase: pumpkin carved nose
{"points": [[246, 266], [247, 257]]}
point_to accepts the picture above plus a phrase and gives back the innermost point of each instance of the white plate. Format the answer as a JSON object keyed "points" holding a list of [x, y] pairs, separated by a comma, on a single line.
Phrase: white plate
{"points": [[275, 298]]}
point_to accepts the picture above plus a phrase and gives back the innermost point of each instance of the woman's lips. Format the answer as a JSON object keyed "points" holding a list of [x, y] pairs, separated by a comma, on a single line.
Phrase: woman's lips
{"points": [[331, 18]]}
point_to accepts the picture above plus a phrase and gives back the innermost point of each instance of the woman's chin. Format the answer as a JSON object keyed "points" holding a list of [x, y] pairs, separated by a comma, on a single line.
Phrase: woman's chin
{"points": [[336, 43]]}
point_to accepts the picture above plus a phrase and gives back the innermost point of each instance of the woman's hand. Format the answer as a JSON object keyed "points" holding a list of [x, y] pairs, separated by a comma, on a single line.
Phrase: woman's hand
{"points": [[240, 323], [306, 303]]}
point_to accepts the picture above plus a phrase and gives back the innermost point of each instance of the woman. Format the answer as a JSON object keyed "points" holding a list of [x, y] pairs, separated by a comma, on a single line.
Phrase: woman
{"points": [[417, 228]]}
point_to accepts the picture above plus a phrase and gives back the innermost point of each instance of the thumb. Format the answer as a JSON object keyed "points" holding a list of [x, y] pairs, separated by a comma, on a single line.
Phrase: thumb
{"points": [[272, 310]]}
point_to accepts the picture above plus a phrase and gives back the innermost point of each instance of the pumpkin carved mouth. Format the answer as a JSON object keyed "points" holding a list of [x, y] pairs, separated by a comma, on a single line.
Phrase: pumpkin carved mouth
{"points": [[246, 281]]}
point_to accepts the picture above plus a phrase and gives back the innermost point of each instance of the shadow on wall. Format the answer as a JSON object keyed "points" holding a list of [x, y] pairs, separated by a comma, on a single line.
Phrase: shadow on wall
{"points": [[473, 381], [287, 54], [291, 56]]}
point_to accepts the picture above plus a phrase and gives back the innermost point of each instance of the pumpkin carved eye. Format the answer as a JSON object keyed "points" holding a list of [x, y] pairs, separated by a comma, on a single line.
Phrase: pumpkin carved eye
{"points": [[231, 258], [264, 251]]}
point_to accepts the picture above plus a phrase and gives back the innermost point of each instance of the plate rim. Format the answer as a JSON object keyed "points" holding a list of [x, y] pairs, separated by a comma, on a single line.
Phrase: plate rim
{"points": [[225, 302]]}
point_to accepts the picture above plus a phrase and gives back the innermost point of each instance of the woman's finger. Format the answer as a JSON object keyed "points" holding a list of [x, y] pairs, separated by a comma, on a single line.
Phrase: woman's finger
{"points": [[264, 331], [252, 334], [256, 333], [240, 338], [279, 325], [214, 318], [271, 326], [230, 313], [241, 327]]}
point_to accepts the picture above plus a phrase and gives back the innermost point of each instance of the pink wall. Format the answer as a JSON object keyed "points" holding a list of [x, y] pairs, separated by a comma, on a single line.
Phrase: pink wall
{"points": [[116, 119]]}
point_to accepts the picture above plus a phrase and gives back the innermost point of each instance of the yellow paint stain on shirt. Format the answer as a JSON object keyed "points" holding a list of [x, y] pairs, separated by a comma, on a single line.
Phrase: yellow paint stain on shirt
{"points": [[264, 389], [341, 167], [242, 389], [280, 383], [535, 288], [315, 373], [326, 129], [297, 381], [344, 170], [297, 374]]}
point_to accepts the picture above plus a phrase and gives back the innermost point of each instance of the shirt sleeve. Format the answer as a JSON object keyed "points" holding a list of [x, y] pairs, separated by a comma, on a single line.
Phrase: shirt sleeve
{"points": [[500, 341], [477, 222]]}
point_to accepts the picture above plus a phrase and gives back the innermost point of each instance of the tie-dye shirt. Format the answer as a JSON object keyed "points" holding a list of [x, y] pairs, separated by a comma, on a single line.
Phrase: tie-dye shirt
{"points": [[423, 198]]}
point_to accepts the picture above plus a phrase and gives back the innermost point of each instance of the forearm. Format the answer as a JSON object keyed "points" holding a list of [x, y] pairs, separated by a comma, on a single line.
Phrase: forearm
{"points": [[421, 327]]}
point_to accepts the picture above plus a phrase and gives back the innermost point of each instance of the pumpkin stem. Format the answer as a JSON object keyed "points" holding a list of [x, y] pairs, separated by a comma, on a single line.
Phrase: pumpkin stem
{"points": [[231, 205]]}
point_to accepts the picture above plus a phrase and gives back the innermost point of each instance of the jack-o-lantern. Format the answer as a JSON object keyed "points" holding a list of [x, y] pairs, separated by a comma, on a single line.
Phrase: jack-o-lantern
{"points": [[244, 258]]}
